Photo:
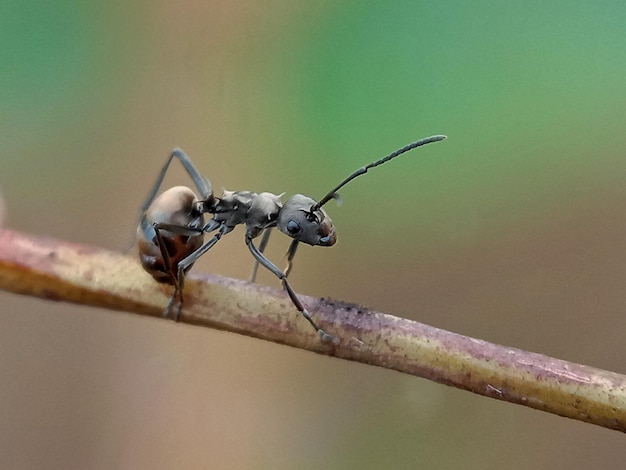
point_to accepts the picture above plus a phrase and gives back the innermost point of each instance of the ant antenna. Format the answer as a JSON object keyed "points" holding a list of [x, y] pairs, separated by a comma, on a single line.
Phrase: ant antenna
{"points": [[333, 192]]}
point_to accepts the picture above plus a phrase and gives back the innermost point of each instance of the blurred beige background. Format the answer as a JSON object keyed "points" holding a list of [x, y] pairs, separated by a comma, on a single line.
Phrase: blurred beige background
{"points": [[512, 230]]}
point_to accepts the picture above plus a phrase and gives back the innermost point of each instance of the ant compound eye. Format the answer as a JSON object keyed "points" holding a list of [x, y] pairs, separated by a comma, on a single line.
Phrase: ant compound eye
{"points": [[293, 227]]}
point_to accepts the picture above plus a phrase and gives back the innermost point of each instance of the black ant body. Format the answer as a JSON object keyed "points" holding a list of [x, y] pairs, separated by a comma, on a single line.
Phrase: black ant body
{"points": [[172, 226]]}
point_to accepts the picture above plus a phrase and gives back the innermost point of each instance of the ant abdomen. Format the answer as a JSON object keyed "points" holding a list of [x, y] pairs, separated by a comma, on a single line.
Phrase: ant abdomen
{"points": [[161, 254]]}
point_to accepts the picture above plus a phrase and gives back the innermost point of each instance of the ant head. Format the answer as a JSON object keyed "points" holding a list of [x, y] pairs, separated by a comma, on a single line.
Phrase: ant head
{"points": [[302, 220]]}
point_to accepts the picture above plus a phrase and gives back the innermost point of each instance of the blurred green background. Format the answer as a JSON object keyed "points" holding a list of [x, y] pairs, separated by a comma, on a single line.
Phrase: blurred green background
{"points": [[512, 230]]}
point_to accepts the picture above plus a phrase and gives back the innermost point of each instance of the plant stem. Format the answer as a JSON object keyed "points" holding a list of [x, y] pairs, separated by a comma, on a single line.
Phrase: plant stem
{"points": [[62, 271]]}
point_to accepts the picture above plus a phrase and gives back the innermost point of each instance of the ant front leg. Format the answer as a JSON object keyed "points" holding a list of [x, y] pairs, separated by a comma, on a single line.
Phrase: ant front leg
{"points": [[262, 245], [291, 252], [292, 295]]}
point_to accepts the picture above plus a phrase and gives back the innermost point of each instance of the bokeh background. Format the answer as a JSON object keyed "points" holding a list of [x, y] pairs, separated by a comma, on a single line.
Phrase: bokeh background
{"points": [[512, 230]]}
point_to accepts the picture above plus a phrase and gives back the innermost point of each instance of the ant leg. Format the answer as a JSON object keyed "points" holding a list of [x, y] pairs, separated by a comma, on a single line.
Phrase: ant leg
{"points": [[188, 231], [202, 183], [262, 245], [291, 252], [186, 262], [176, 301], [292, 295], [177, 298], [167, 266]]}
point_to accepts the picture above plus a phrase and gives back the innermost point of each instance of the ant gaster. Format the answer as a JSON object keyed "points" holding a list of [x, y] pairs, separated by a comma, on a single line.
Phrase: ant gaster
{"points": [[171, 228]]}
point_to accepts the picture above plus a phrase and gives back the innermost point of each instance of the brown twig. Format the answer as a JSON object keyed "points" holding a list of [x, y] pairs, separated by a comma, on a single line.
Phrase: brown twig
{"points": [[68, 272]]}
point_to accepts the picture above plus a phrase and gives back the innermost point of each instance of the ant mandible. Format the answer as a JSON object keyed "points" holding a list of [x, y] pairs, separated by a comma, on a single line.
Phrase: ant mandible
{"points": [[171, 229]]}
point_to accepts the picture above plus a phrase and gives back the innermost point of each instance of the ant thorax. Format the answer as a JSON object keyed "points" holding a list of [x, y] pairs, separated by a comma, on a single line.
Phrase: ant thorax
{"points": [[256, 210]]}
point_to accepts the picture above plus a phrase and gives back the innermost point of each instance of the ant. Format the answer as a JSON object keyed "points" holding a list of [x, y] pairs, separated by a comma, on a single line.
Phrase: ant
{"points": [[172, 227]]}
